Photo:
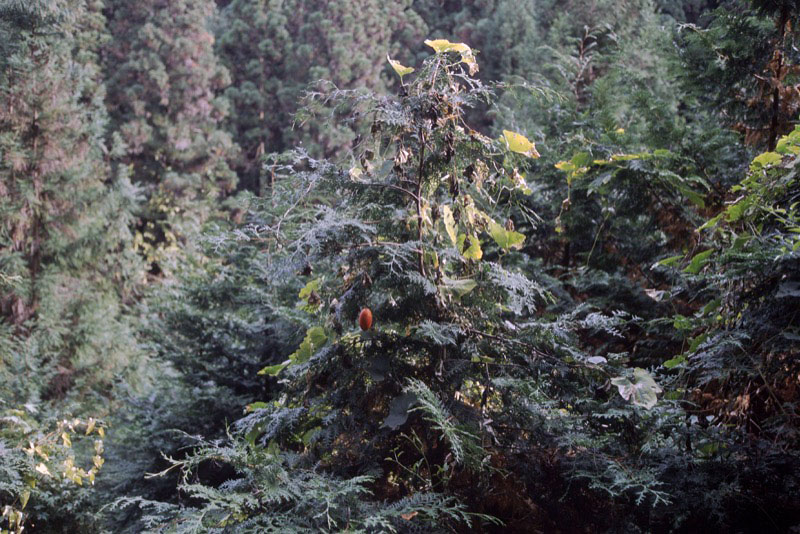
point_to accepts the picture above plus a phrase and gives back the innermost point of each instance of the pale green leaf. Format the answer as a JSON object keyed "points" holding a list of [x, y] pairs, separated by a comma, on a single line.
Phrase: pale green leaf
{"points": [[449, 223], [506, 239], [641, 391]]}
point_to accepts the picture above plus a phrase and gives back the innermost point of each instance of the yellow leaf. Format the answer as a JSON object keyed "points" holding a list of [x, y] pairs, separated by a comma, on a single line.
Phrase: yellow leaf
{"points": [[520, 144], [41, 468], [401, 70], [442, 45], [470, 247], [467, 55], [23, 499], [409, 516], [449, 223]]}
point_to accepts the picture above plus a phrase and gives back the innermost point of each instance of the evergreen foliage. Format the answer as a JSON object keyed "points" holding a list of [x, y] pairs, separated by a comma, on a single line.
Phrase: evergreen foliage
{"points": [[275, 50], [555, 293], [66, 261], [746, 52], [163, 85]]}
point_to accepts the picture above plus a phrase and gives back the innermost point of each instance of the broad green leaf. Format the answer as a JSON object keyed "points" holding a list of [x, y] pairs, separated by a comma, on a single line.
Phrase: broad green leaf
{"points": [[712, 306], [766, 159], [520, 144], [315, 338], [698, 262], [401, 70], [470, 247], [641, 391], [506, 239], [457, 288], [449, 223], [693, 196], [624, 157], [735, 211], [695, 343], [313, 285], [671, 261], [682, 322], [711, 223], [250, 408], [310, 305], [566, 166], [309, 434], [674, 362], [274, 370], [581, 159], [789, 144], [741, 240]]}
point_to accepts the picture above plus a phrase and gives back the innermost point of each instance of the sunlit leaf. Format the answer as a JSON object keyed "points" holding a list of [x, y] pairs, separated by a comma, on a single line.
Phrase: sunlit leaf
{"points": [[41, 468], [467, 55], [766, 159], [674, 362], [506, 239], [274, 370], [449, 223], [252, 407], [470, 247], [641, 391], [313, 285], [401, 70], [698, 262], [520, 144]]}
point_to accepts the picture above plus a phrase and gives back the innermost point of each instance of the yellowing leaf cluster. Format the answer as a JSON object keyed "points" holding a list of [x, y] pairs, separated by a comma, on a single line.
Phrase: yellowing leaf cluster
{"points": [[441, 46]]}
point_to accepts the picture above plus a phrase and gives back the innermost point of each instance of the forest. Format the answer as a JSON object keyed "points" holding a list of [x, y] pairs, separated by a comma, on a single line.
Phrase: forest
{"points": [[409, 266]]}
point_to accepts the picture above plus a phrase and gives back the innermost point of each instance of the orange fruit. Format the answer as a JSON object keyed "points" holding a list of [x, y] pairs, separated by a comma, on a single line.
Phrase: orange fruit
{"points": [[365, 319]]}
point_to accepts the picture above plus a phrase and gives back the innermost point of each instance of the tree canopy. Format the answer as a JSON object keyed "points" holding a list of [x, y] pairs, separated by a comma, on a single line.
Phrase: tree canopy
{"points": [[417, 266]]}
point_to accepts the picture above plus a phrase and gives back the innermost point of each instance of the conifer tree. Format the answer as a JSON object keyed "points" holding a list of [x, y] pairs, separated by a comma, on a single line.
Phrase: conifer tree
{"points": [[426, 362], [66, 260], [741, 60], [163, 85], [277, 50]]}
